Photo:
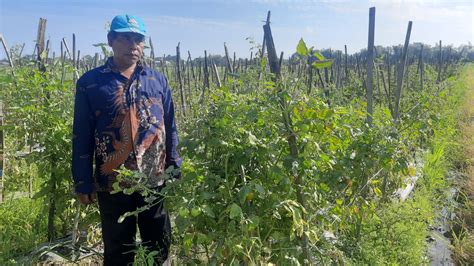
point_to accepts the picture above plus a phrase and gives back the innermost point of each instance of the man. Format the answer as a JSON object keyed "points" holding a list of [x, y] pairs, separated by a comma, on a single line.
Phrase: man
{"points": [[124, 116]]}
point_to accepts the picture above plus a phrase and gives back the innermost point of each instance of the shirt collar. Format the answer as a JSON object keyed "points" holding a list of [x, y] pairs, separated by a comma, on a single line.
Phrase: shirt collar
{"points": [[110, 66]]}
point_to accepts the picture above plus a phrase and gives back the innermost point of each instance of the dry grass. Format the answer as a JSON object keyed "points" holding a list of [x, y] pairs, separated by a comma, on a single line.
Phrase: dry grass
{"points": [[463, 239], [464, 248]]}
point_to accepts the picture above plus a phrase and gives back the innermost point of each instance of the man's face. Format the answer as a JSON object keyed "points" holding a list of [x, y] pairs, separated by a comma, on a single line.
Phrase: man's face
{"points": [[127, 47]]}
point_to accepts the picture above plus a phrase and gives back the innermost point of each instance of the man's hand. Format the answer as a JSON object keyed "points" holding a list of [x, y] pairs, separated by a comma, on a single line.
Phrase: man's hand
{"points": [[87, 199]]}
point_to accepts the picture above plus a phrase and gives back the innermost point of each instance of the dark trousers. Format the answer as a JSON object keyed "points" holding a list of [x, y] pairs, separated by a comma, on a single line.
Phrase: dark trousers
{"points": [[119, 238]]}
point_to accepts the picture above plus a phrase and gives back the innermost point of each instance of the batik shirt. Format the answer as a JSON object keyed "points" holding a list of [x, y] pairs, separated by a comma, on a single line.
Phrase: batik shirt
{"points": [[122, 121]]}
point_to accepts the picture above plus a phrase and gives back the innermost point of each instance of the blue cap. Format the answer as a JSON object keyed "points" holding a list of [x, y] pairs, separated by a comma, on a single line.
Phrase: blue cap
{"points": [[128, 23]]}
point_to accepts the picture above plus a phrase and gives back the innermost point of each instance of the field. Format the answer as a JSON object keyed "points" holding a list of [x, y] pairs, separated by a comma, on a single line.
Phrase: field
{"points": [[318, 158]]}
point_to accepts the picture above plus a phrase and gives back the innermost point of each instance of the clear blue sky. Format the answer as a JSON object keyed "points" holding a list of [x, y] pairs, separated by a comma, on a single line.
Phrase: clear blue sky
{"points": [[207, 24]]}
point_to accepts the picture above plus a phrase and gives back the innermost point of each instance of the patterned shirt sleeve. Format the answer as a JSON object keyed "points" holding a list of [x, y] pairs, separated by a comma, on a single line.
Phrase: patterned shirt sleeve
{"points": [[172, 156], [82, 142]]}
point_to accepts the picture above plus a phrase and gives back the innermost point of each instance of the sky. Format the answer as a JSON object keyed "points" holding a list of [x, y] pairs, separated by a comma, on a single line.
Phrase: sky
{"points": [[200, 25]]}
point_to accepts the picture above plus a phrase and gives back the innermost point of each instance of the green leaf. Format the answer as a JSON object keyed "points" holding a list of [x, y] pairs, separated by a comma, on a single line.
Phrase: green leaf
{"points": [[244, 191], [322, 64], [100, 44], [319, 56], [208, 211], [252, 139], [188, 242], [235, 211], [301, 48]]}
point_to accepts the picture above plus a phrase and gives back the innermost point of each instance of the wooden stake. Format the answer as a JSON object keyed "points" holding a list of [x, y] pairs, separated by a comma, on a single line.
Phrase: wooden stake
{"points": [[152, 54], [272, 57], [7, 52], [230, 68], [370, 66], [400, 73], [346, 72], [180, 81], [74, 50], [421, 67], [40, 42], [281, 59], [96, 59], [67, 48], [206, 73], [2, 152], [218, 79], [267, 22], [440, 61], [192, 66], [292, 141]]}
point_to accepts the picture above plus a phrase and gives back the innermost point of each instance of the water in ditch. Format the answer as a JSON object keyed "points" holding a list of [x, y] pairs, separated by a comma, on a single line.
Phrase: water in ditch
{"points": [[439, 252]]}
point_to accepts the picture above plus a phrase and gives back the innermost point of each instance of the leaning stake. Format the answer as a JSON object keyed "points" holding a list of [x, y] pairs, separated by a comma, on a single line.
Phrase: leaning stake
{"points": [[400, 73], [292, 141]]}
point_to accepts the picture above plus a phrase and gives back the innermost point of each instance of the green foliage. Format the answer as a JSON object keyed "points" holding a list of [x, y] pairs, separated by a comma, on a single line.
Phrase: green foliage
{"points": [[268, 165], [238, 187], [22, 227], [104, 48], [303, 51], [38, 125], [238, 203], [301, 48]]}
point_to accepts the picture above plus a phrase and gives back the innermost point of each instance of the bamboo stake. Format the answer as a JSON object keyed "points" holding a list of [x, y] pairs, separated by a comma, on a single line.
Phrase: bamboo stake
{"points": [[358, 66], [152, 54], [163, 63], [447, 61], [400, 73], [20, 54], [281, 59], [67, 48], [440, 61], [387, 91], [422, 70], [74, 50], [263, 47], [63, 60], [338, 71], [346, 73], [292, 141], [192, 66], [2, 151], [47, 51], [96, 58], [233, 65], [310, 77], [218, 79], [180, 82], [230, 67], [76, 73], [206, 73], [7, 52], [263, 42], [370, 66], [40, 43]]}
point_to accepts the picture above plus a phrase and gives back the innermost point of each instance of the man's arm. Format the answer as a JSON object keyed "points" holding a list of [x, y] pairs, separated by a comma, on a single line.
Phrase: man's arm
{"points": [[83, 146], [172, 156]]}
